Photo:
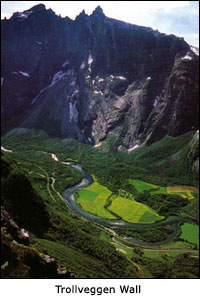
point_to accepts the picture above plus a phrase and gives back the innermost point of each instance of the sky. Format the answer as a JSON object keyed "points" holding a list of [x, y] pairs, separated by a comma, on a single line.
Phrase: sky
{"points": [[172, 17]]}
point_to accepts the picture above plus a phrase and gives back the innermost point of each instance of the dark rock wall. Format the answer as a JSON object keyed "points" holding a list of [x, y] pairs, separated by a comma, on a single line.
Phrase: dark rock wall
{"points": [[111, 77]]}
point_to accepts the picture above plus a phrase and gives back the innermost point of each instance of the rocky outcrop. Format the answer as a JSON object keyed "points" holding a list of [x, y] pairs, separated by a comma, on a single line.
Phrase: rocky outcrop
{"points": [[19, 225], [193, 154], [94, 76], [19, 260]]}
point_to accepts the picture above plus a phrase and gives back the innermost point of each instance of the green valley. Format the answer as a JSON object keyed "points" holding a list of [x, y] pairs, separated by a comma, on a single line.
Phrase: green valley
{"points": [[134, 194]]}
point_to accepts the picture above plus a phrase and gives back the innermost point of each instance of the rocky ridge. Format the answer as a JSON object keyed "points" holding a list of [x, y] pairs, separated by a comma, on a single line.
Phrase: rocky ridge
{"points": [[95, 76]]}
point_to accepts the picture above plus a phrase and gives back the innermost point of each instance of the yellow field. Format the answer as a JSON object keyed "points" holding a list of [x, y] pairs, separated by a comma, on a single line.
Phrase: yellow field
{"points": [[132, 211], [184, 191]]}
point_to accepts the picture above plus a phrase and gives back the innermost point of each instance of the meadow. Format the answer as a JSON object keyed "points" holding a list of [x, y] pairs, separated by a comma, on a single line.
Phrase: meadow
{"points": [[132, 211], [190, 233]]}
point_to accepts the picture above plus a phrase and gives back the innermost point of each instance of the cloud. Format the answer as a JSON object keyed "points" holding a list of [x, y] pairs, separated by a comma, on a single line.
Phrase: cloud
{"points": [[184, 21]]}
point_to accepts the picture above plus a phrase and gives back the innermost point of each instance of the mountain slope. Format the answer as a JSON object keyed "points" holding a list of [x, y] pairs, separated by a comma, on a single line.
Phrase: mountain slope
{"points": [[95, 75]]}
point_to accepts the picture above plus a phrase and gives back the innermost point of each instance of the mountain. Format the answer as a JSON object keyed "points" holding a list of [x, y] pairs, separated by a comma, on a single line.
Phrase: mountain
{"points": [[95, 76]]}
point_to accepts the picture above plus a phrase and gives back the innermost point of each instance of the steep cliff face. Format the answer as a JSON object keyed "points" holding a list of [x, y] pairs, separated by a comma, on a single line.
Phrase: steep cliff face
{"points": [[94, 76]]}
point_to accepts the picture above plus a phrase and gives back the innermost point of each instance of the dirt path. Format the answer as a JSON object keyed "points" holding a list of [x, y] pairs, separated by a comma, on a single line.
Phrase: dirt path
{"points": [[140, 270], [48, 184], [52, 186]]}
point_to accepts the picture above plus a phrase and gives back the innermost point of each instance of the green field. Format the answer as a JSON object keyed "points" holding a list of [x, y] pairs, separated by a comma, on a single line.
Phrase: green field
{"points": [[133, 211], [141, 186], [190, 232], [160, 254], [178, 245], [190, 236], [161, 190], [93, 199]]}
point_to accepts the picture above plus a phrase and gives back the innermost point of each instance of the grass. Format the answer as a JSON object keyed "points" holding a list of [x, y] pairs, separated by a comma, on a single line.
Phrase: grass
{"points": [[149, 217], [190, 232], [141, 186], [126, 251], [132, 211], [93, 199], [71, 160], [159, 255], [161, 190], [152, 254], [178, 245]]}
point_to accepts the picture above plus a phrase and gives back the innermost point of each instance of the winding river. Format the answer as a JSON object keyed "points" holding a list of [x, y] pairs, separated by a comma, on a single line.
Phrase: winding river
{"points": [[173, 221]]}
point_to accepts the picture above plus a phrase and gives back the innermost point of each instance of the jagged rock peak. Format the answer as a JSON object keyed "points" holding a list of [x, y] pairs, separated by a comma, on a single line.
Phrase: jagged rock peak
{"points": [[82, 15], [98, 11], [38, 7], [26, 13], [83, 12]]}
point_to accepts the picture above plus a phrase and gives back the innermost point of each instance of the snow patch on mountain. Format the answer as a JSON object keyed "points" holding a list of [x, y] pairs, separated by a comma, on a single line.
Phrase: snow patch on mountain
{"points": [[59, 75], [98, 92], [23, 15], [195, 50], [121, 77], [73, 83], [90, 59], [187, 56], [82, 65], [65, 63], [24, 74], [155, 102], [73, 113]]}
